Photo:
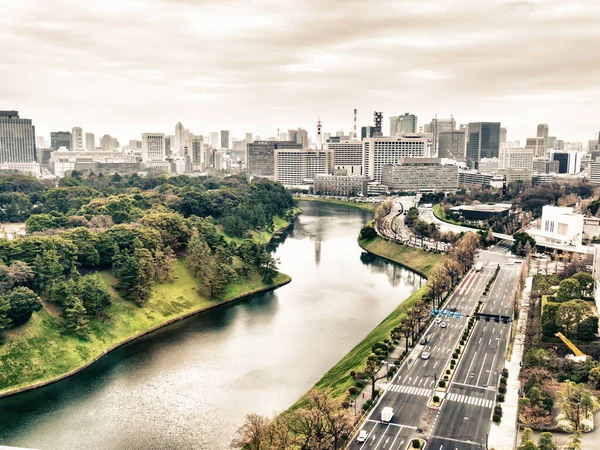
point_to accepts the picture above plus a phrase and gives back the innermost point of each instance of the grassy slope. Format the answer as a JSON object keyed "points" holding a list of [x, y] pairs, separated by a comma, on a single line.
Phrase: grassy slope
{"points": [[411, 257], [366, 206], [38, 351]]}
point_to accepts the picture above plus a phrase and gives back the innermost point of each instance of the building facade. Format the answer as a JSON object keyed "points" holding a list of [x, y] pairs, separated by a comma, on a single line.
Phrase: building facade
{"points": [[559, 225], [451, 145], [537, 145], [153, 147], [260, 156], [383, 151], [347, 155], [340, 185], [474, 178], [516, 158], [76, 138], [568, 162], [225, 139], [421, 174], [483, 140], [17, 139], [298, 167], [90, 142], [60, 139]]}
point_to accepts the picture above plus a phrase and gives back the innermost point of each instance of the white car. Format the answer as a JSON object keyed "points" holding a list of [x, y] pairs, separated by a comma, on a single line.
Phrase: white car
{"points": [[362, 436], [443, 325], [438, 320], [424, 355]]}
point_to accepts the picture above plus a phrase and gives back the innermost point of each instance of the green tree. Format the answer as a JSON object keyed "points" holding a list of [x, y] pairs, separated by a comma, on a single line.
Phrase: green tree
{"points": [[367, 233], [23, 303], [575, 443], [74, 315], [521, 239], [40, 222], [570, 316], [48, 270], [94, 295], [267, 267], [586, 282], [5, 321], [135, 273], [568, 289], [198, 258], [546, 442], [172, 227]]}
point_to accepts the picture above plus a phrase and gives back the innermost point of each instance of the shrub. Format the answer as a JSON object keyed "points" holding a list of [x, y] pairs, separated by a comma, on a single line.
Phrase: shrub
{"points": [[566, 425], [500, 397], [442, 384], [352, 390], [436, 399], [365, 406], [361, 383], [448, 372], [586, 425], [503, 381], [505, 373], [416, 443], [496, 418], [457, 351], [452, 362], [455, 355], [502, 390]]}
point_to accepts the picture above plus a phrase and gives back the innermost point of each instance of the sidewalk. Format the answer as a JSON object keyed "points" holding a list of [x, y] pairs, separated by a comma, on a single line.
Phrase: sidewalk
{"points": [[502, 437], [381, 384]]}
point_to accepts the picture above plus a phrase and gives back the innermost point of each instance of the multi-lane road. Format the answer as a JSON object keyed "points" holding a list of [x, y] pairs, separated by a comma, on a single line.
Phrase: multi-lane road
{"points": [[463, 421]]}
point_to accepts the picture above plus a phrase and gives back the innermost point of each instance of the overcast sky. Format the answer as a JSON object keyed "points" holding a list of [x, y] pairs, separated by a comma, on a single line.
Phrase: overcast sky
{"points": [[125, 67]]}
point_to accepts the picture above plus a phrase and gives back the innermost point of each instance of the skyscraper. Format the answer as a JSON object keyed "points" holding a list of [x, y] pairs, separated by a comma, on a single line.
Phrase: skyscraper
{"points": [[108, 143], [451, 145], [153, 147], [407, 123], [542, 131], [225, 139], [382, 151], [90, 142], [249, 138], [179, 138], [17, 138], [502, 135], [76, 138], [60, 139], [260, 156], [40, 141], [299, 136], [394, 120], [483, 140], [436, 127], [195, 146]]}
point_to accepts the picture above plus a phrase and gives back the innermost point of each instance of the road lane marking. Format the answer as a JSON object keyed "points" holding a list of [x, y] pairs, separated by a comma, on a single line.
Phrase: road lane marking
{"points": [[399, 431], [436, 363], [382, 436]]}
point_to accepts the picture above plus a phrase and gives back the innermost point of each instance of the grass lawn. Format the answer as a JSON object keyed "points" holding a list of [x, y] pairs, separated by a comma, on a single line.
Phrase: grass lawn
{"points": [[38, 351], [411, 257], [362, 205]]}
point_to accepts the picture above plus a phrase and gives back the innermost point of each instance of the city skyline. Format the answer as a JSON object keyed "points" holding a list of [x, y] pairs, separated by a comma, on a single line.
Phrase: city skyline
{"points": [[262, 66]]}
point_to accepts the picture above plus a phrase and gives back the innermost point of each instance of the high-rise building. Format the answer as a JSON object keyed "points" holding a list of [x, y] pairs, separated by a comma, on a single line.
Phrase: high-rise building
{"points": [[300, 136], [538, 145], [219, 160], [382, 151], [551, 143], [153, 147], [451, 145], [347, 155], [394, 121], [248, 138], [436, 127], [294, 167], [60, 139], [483, 140], [516, 158], [502, 135], [17, 139], [417, 174], [569, 162], [260, 156], [40, 142], [107, 143], [76, 138], [195, 147], [179, 142], [542, 130], [225, 139], [407, 123], [90, 142], [367, 132]]}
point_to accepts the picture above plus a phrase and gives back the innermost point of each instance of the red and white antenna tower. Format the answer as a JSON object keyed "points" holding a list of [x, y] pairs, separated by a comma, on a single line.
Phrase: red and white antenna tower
{"points": [[319, 136], [355, 136]]}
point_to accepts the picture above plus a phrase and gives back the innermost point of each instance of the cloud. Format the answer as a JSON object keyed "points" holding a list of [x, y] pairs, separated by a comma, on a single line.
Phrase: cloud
{"points": [[130, 66]]}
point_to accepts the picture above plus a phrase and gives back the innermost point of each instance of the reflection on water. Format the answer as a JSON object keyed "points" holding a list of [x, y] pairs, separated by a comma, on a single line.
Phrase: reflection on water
{"points": [[190, 385]]}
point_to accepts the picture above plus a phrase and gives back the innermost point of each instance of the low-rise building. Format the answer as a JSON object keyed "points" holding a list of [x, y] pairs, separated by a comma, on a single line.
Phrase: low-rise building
{"points": [[594, 172], [516, 175], [559, 226], [482, 212], [340, 185], [420, 174], [474, 178], [545, 166]]}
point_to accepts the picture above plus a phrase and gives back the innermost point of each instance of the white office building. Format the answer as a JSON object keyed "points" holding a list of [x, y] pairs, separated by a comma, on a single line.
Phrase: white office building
{"points": [[384, 151], [594, 172], [153, 147], [90, 142], [421, 175], [347, 155], [76, 138], [516, 158], [559, 226], [295, 167]]}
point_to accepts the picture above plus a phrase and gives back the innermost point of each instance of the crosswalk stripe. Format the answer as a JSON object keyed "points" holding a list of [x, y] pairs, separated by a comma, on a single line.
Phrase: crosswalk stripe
{"points": [[479, 401], [402, 388]]}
